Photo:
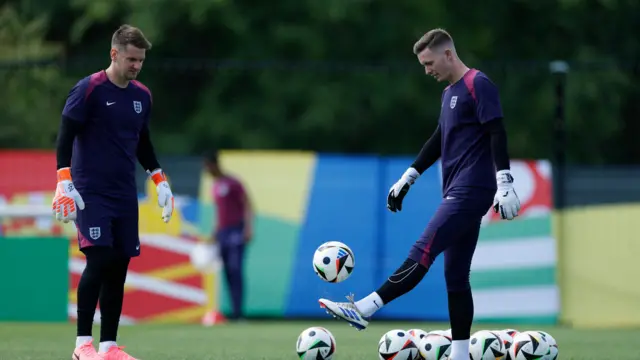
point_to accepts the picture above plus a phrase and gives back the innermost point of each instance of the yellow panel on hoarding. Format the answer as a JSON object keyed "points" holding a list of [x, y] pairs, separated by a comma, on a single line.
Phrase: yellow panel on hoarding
{"points": [[599, 260]]}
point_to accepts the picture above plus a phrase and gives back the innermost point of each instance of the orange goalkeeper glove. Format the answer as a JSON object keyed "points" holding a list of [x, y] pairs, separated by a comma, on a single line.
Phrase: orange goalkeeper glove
{"points": [[67, 199], [165, 196]]}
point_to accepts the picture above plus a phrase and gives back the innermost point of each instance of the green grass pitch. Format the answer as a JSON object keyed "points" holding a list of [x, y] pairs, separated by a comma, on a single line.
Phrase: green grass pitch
{"points": [[256, 340]]}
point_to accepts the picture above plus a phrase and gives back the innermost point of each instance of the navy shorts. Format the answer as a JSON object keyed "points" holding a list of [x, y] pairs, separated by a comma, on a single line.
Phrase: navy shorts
{"points": [[109, 223], [454, 230]]}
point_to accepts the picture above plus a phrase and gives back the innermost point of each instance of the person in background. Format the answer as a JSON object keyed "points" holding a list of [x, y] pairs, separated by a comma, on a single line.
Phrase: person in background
{"points": [[234, 228]]}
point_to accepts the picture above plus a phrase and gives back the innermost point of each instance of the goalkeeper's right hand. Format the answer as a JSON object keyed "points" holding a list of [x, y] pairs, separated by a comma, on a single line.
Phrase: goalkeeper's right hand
{"points": [[400, 189], [67, 199]]}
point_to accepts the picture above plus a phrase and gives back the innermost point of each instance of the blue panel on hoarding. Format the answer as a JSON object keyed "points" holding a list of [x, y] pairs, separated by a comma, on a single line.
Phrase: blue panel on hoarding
{"points": [[343, 205]]}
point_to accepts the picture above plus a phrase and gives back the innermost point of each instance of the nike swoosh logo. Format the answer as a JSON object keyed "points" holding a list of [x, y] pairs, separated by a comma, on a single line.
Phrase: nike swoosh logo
{"points": [[376, 304], [110, 103]]}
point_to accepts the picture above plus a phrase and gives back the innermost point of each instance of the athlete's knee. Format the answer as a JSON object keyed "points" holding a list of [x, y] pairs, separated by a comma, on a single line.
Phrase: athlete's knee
{"points": [[457, 277], [422, 254], [98, 258]]}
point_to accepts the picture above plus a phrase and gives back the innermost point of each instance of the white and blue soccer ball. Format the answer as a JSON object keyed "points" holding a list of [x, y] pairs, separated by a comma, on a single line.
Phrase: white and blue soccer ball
{"points": [[333, 262], [529, 345], [486, 345], [446, 333], [316, 343], [435, 347], [553, 346], [418, 335], [397, 344], [506, 336]]}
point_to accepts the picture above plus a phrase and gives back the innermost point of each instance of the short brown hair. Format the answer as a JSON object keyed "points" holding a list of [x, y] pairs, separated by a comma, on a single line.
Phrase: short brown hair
{"points": [[130, 35], [433, 38]]}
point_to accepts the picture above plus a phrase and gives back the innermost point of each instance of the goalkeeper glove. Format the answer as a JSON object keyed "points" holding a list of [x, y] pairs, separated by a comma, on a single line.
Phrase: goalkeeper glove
{"points": [[165, 196], [400, 189], [67, 199], [506, 201]]}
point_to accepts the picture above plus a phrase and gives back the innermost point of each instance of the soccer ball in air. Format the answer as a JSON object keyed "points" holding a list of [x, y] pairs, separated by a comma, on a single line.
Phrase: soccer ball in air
{"points": [[529, 345], [553, 346], [486, 345], [397, 344], [316, 343], [333, 261], [435, 347]]}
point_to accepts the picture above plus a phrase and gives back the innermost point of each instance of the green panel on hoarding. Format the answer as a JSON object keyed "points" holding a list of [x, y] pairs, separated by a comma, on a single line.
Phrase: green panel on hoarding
{"points": [[35, 279]]}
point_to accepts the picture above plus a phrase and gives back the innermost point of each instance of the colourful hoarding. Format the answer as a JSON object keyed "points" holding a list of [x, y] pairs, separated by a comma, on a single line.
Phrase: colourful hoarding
{"points": [[303, 199]]}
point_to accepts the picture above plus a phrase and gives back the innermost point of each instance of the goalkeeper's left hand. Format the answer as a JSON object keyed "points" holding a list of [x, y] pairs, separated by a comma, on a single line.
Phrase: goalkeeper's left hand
{"points": [[506, 201], [400, 189], [165, 196]]}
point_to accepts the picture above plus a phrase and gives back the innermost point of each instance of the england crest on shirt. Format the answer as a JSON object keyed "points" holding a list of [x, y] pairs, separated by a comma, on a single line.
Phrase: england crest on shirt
{"points": [[94, 233], [454, 100], [137, 106]]}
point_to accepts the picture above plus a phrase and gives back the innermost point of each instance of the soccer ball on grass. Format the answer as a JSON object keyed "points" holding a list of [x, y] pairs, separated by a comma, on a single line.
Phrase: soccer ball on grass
{"points": [[486, 345], [529, 345], [316, 343], [397, 344], [435, 347]]}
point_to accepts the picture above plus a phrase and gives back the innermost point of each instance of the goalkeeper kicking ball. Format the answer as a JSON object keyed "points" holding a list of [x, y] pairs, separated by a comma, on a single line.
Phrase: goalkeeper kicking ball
{"points": [[316, 343], [333, 262]]}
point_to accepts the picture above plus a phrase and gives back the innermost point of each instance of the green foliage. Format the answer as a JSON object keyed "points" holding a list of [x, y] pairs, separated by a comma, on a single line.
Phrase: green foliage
{"points": [[340, 75], [29, 96]]}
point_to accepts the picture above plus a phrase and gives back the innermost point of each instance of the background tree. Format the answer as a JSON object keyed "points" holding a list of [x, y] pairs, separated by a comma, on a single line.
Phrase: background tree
{"points": [[340, 75]]}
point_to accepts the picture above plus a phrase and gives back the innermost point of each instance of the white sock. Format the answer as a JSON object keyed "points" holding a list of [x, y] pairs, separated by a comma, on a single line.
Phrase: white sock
{"points": [[459, 350], [106, 345], [81, 340], [369, 305]]}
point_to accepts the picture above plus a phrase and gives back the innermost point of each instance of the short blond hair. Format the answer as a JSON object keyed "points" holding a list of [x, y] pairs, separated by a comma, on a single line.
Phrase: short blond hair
{"points": [[432, 39], [130, 35]]}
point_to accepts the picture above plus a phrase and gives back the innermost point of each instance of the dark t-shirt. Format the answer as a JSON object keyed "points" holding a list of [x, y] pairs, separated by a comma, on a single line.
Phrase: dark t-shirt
{"points": [[105, 152], [229, 196], [467, 162]]}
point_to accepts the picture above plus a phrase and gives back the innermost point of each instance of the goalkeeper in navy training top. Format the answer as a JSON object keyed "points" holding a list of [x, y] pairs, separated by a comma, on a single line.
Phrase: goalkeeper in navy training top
{"points": [[103, 133], [471, 142]]}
